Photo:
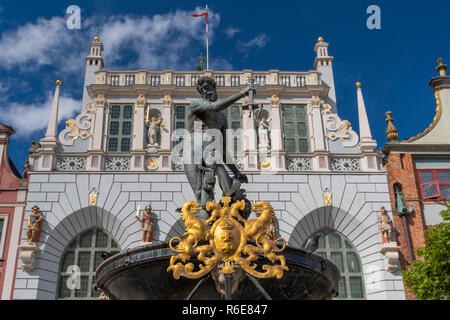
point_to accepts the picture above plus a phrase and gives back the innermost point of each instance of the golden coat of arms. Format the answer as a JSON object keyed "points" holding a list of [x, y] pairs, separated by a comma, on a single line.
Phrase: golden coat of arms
{"points": [[232, 239]]}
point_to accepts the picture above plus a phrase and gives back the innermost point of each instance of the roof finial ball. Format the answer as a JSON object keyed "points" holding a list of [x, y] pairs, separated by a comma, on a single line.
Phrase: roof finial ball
{"points": [[96, 39], [391, 130], [441, 68], [58, 83], [358, 84], [320, 39]]}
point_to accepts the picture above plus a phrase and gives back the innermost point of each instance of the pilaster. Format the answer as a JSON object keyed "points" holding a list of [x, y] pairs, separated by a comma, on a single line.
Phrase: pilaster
{"points": [[98, 133], [317, 129], [250, 139], [166, 134], [138, 124], [278, 156]]}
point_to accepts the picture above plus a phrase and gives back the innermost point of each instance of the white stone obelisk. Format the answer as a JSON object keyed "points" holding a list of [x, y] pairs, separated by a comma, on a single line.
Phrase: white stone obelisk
{"points": [[365, 135]]}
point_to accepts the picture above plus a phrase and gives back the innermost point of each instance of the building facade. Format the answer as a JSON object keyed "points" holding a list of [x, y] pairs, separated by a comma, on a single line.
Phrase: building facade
{"points": [[13, 191], [418, 171], [120, 154]]}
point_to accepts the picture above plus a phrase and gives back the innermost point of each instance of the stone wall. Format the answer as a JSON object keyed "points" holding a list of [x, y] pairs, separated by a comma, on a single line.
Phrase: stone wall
{"points": [[296, 198]]}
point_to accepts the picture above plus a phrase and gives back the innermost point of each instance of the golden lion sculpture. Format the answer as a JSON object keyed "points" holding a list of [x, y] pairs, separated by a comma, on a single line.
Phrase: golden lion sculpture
{"points": [[228, 235]]}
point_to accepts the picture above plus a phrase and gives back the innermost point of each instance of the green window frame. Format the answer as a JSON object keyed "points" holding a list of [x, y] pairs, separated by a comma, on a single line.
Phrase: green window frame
{"points": [[340, 251], [234, 122], [295, 129], [180, 119], [120, 128], [85, 252]]}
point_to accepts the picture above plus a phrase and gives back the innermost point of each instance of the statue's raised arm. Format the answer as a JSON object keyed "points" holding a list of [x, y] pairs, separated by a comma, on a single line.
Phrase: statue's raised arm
{"points": [[202, 175], [206, 86]]}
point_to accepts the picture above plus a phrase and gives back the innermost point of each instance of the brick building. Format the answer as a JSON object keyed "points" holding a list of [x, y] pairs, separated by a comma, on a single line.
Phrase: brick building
{"points": [[418, 172], [13, 190]]}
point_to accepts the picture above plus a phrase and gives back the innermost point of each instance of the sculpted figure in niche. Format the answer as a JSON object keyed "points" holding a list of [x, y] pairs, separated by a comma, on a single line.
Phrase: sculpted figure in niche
{"points": [[148, 224], [34, 226], [153, 127], [263, 133], [385, 226]]}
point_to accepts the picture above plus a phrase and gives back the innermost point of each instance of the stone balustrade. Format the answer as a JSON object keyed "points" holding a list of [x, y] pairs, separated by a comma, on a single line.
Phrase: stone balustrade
{"points": [[223, 78]]}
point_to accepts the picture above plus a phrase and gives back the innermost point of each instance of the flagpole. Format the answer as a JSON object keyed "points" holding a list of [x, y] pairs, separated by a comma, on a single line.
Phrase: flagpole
{"points": [[207, 41]]}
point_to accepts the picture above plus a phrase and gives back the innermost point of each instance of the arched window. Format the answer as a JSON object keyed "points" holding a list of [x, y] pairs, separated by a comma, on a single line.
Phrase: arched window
{"points": [[340, 251], [84, 255]]}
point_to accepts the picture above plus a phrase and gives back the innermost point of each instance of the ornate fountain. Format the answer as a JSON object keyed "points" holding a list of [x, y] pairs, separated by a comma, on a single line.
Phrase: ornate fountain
{"points": [[223, 254]]}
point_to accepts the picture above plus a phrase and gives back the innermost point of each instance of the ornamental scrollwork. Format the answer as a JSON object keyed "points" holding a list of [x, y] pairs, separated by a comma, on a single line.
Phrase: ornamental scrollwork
{"points": [[71, 163], [117, 164], [78, 128], [339, 129], [233, 241], [344, 164], [299, 164]]}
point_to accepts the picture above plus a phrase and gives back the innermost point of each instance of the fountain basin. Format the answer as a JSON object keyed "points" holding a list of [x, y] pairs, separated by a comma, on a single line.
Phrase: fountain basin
{"points": [[141, 274]]}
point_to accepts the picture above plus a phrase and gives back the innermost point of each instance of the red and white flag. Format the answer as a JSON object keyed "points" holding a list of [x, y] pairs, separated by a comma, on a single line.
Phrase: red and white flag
{"points": [[204, 14]]}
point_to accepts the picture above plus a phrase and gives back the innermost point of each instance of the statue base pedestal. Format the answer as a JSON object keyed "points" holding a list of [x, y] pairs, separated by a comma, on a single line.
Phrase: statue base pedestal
{"points": [[27, 252], [390, 250], [153, 148]]}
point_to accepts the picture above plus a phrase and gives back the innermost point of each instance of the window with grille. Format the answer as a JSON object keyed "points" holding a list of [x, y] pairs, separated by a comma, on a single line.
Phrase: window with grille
{"points": [[84, 252], [434, 183], [295, 129], [120, 128], [340, 251], [180, 119], [234, 119]]}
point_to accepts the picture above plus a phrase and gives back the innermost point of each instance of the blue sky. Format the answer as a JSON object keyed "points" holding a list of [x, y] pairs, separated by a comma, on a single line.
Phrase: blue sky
{"points": [[394, 64]]}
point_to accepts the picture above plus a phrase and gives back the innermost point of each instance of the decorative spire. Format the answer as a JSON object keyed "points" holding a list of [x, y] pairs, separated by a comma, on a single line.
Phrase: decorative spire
{"points": [[441, 68], [364, 127], [391, 130], [52, 129], [323, 63]]}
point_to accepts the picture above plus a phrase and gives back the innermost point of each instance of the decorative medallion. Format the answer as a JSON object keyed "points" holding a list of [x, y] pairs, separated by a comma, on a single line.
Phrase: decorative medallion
{"points": [[71, 163], [152, 164], [344, 164], [93, 196], [265, 165], [299, 164], [117, 164], [229, 244], [328, 197]]}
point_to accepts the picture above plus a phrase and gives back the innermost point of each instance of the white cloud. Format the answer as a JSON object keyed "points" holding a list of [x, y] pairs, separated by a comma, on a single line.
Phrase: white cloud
{"points": [[169, 41], [27, 119], [163, 41], [259, 42], [46, 42], [230, 31]]}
